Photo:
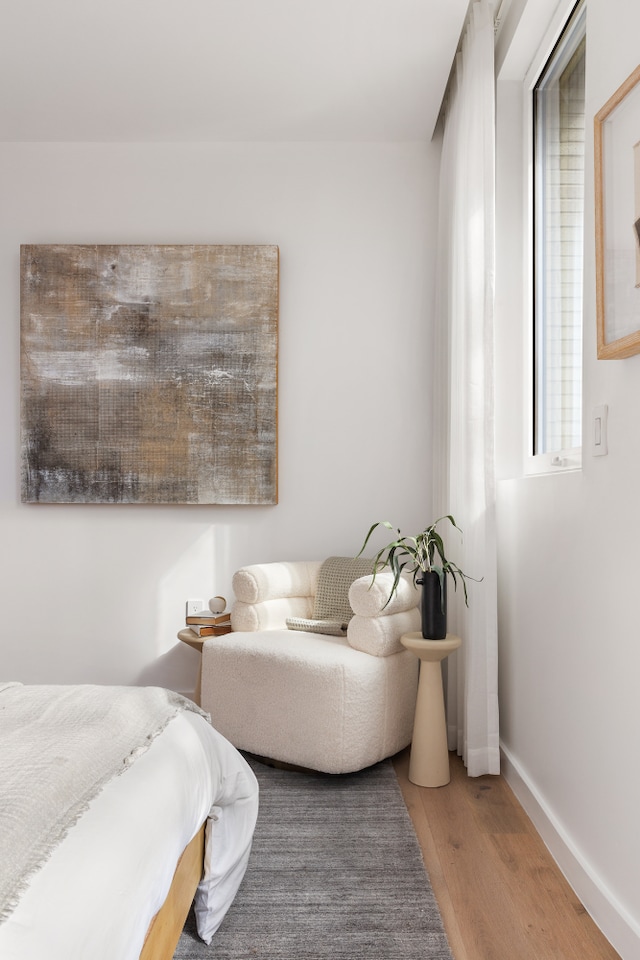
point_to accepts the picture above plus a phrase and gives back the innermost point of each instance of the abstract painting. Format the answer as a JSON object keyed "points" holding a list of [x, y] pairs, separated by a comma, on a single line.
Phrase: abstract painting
{"points": [[149, 373]]}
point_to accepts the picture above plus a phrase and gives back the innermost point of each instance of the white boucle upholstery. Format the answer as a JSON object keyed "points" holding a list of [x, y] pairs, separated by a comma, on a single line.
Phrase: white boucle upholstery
{"points": [[306, 698], [273, 581], [270, 614], [369, 599], [380, 636]]}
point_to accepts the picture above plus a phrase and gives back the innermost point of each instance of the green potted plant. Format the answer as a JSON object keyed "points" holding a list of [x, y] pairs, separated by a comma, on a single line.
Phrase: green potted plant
{"points": [[425, 558]]}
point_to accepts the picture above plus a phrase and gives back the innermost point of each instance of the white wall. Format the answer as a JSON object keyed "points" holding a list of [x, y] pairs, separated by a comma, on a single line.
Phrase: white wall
{"points": [[568, 557], [95, 593]]}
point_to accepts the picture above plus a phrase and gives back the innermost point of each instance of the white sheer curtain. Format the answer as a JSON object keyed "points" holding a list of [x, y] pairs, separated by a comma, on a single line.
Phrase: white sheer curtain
{"points": [[464, 483]]}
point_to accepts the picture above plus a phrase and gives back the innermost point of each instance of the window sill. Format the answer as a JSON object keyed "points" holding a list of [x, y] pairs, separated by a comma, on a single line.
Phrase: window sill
{"points": [[545, 464]]}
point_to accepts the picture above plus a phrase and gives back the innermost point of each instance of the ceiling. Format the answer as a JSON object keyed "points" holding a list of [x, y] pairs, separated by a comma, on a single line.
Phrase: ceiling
{"points": [[217, 70]]}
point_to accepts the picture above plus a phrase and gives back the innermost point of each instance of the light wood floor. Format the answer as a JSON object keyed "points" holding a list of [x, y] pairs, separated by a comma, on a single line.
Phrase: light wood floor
{"points": [[500, 893]]}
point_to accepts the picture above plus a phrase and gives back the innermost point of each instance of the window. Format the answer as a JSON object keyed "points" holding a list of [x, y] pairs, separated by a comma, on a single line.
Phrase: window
{"points": [[558, 211]]}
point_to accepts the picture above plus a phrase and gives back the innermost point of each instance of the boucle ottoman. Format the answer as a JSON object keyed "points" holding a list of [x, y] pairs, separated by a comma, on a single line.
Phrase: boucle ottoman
{"points": [[308, 699]]}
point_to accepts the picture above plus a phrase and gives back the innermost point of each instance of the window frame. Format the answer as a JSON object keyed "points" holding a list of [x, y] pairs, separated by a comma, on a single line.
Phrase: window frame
{"points": [[565, 459]]}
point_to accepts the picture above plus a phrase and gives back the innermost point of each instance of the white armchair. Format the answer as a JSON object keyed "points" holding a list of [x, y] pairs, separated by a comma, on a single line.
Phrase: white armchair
{"points": [[335, 692]]}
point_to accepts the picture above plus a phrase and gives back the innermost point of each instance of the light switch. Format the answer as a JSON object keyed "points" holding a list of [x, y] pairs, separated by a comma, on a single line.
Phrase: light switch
{"points": [[599, 431]]}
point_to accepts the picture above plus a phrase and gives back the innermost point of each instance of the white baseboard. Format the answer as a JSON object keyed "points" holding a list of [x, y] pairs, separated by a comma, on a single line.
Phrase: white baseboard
{"points": [[615, 922]]}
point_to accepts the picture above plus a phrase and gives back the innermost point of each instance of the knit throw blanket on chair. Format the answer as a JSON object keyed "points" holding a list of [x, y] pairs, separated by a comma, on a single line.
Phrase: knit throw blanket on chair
{"points": [[59, 745]]}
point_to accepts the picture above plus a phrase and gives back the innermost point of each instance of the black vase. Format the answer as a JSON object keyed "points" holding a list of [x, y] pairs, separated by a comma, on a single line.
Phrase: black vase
{"points": [[434, 606]]}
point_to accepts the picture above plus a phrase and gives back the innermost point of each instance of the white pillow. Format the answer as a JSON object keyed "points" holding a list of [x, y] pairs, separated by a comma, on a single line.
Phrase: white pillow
{"points": [[268, 615], [380, 636], [368, 598], [274, 581]]}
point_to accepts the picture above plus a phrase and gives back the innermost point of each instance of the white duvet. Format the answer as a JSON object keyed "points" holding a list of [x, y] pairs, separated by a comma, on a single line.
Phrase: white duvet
{"points": [[97, 894]]}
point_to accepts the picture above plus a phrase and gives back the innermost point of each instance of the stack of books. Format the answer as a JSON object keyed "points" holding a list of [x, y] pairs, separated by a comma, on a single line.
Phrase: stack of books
{"points": [[207, 624]]}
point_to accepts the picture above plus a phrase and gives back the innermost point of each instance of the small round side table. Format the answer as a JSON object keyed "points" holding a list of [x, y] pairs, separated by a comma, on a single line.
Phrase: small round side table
{"points": [[193, 640], [429, 761]]}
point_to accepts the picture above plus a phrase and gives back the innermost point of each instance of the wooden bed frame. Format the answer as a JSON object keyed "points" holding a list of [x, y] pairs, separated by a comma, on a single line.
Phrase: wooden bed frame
{"points": [[165, 928]]}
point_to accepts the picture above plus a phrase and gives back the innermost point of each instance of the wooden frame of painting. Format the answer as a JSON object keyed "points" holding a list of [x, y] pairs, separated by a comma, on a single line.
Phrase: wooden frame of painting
{"points": [[149, 373], [617, 220]]}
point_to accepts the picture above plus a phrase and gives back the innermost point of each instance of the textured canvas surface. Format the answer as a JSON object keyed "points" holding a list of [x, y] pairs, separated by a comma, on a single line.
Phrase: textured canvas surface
{"points": [[149, 373]]}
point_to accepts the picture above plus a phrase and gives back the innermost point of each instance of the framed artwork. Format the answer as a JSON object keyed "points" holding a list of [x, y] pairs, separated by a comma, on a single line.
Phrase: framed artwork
{"points": [[617, 186], [149, 374]]}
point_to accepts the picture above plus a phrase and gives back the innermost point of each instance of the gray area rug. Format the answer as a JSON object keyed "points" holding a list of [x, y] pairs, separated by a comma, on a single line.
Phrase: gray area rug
{"points": [[335, 871]]}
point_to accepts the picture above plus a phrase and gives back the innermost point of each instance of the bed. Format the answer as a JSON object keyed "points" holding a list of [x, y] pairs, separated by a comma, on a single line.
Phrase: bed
{"points": [[170, 810]]}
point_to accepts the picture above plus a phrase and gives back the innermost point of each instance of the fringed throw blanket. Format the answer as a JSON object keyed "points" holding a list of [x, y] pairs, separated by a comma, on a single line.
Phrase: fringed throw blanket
{"points": [[59, 745]]}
